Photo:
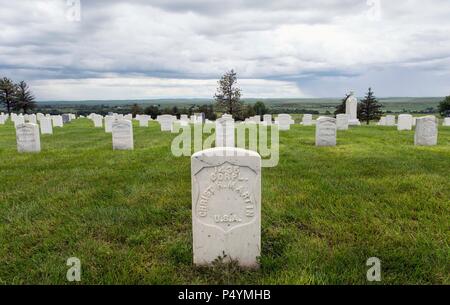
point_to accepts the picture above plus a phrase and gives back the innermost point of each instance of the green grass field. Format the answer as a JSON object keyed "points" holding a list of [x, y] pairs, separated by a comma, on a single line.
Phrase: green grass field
{"points": [[127, 215]]}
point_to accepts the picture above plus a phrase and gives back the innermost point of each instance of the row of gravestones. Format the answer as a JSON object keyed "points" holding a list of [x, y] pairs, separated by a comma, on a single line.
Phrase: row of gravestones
{"points": [[28, 134]]}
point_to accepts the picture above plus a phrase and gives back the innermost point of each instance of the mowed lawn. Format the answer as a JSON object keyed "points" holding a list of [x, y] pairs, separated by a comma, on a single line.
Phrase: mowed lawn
{"points": [[127, 215]]}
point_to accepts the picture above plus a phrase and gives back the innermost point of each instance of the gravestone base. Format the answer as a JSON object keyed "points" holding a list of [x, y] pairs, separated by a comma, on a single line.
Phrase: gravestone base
{"points": [[354, 123]]}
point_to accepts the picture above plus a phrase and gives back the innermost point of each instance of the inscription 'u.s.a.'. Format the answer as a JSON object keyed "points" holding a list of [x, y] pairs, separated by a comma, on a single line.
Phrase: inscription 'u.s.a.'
{"points": [[226, 181]]}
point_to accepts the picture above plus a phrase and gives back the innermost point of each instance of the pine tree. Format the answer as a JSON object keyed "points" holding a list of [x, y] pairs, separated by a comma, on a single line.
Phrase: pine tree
{"points": [[7, 94], [228, 96], [341, 107], [444, 107], [24, 98], [370, 108], [136, 109]]}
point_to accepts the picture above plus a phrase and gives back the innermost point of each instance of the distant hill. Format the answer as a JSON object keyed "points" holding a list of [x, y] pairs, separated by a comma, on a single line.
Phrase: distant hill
{"points": [[268, 101]]}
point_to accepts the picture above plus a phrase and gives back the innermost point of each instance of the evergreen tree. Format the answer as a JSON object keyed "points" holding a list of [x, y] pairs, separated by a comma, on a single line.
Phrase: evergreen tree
{"points": [[228, 96], [341, 107], [136, 109], [152, 111], [24, 98], [260, 108], [7, 94], [444, 107], [370, 108]]}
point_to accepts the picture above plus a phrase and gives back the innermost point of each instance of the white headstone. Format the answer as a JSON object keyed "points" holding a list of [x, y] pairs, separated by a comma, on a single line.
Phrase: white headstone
{"points": [[166, 122], [382, 121], [98, 120], [390, 120], [351, 109], [284, 121], [18, 120], [426, 131], [405, 122], [143, 120], [225, 132], [226, 206], [32, 119], [267, 119], [57, 121], [342, 122], [326, 131], [46, 125], [446, 122], [122, 135], [307, 120], [109, 119], [28, 138]]}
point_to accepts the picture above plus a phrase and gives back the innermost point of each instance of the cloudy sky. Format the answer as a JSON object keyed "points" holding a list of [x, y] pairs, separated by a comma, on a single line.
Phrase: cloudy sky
{"points": [[179, 48]]}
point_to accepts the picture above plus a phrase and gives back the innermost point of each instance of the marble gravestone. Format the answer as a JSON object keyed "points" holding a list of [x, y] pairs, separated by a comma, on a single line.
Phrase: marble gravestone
{"points": [[109, 119], [405, 122], [32, 119], [351, 109], [226, 206], [267, 119], [225, 132], [326, 131], [284, 121], [65, 118], [28, 138], [446, 122], [57, 121], [2, 119], [46, 125], [426, 131], [342, 122], [166, 122], [18, 120], [390, 120], [382, 121], [98, 121], [122, 135], [143, 120], [307, 120]]}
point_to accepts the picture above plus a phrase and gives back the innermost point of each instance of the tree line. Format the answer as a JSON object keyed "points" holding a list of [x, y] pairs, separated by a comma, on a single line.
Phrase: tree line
{"points": [[16, 97]]}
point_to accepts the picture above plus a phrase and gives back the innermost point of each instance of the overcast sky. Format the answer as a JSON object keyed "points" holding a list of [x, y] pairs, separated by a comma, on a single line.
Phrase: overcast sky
{"points": [[179, 48]]}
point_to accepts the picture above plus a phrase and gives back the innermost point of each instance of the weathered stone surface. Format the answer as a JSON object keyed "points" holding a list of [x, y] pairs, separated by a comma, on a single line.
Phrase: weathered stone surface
{"points": [[28, 138], [109, 119], [405, 122], [166, 122], [226, 206], [351, 109], [390, 120], [122, 135], [307, 120], [426, 131], [284, 121], [342, 122], [46, 125], [225, 132], [57, 121], [326, 131]]}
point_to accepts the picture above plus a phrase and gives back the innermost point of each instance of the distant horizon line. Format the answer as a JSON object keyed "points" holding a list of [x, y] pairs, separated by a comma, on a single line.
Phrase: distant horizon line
{"points": [[210, 99]]}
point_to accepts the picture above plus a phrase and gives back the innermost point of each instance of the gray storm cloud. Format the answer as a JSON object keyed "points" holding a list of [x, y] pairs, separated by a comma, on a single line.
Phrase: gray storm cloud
{"points": [[160, 48]]}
